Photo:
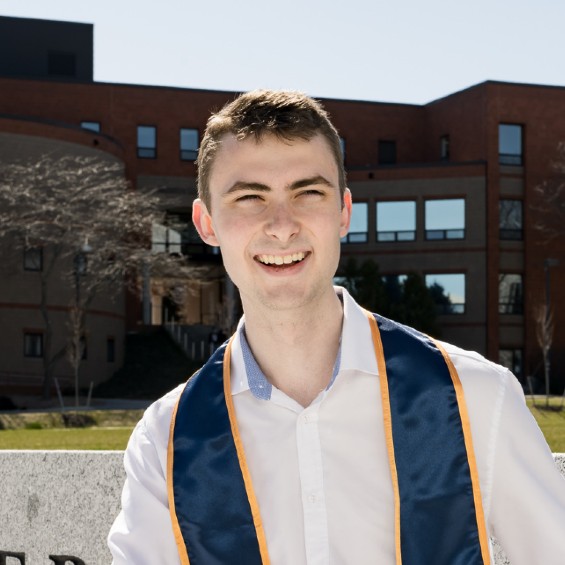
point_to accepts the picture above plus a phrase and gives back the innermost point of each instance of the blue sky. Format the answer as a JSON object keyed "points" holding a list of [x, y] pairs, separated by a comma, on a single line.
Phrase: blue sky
{"points": [[410, 51]]}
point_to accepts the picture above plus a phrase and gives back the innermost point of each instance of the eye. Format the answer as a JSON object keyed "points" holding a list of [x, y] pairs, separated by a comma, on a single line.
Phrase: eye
{"points": [[248, 198], [312, 192]]}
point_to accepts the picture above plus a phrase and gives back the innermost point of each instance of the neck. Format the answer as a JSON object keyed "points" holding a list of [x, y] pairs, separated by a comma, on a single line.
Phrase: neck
{"points": [[297, 349]]}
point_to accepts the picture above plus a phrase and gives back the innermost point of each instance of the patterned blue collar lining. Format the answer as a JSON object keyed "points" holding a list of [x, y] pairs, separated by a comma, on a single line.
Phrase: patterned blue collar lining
{"points": [[258, 383]]}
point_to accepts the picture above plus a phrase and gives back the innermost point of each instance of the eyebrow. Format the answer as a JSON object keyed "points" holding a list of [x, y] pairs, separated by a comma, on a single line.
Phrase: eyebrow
{"points": [[260, 187]]}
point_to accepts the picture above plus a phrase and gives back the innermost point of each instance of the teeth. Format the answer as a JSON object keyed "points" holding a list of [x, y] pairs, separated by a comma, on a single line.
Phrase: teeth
{"points": [[281, 259]]}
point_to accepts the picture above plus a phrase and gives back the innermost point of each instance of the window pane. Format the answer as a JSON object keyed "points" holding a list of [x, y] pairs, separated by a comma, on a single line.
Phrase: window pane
{"points": [[358, 227], [396, 221], [512, 359], [445, 219], [33, 344], [448, 292], [146, 141], [510, 294], [510, 219], [510, 144], [33, 259], [146, 136], [444, 148], [92, 126], [188, 144], [387, 152]]}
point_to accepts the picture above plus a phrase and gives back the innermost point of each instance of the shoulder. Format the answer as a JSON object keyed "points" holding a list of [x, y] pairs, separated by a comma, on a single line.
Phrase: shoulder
{"points": [[475, 370]]}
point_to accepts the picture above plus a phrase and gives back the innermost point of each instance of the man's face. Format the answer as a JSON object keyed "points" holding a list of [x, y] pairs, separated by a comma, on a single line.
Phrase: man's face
{"points": [[278, 218]]}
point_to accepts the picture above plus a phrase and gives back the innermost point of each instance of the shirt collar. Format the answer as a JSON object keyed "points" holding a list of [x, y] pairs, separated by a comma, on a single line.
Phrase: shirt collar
{"points": [[356, 351]]}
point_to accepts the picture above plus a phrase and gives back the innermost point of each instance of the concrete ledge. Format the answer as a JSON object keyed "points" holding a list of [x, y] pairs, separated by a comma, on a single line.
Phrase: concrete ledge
{"points": [[62, 503]]}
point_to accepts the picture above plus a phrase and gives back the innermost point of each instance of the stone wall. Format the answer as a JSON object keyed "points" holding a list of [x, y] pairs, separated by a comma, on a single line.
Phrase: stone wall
{"points": [[62, 503]]}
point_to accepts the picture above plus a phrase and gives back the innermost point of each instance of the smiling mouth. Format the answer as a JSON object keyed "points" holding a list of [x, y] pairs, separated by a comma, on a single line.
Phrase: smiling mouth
{"points": [[278, 260]]}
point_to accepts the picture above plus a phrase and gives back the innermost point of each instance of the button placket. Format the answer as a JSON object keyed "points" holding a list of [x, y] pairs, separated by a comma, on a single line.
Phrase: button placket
{"points": [[312, 486]]}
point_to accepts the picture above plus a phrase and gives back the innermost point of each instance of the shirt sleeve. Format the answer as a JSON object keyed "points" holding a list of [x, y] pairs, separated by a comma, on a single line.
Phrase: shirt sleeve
{"points": [[142, 533], [528, 492]]}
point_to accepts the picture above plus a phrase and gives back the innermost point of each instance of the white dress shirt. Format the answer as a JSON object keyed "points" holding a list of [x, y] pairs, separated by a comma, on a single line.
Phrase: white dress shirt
{"points": [[321, 474]]}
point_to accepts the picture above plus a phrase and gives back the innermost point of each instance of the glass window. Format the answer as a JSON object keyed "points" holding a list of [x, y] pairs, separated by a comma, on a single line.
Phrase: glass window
{"points": [[146, 142], [83, 345], [166, 240], [510, 144], [33, 344], [444, 148], [92, 126], [80, 263], [188, 144], [510, 294], [396, 221], [512, 359], [33, 259], [448, 292], [510, 219], [445, 219], [387, 152], [358, 228]]}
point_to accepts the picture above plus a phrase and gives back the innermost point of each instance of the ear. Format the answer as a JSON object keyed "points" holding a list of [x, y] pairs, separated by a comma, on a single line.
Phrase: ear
{"points": [[203, 223], [345, 213]]}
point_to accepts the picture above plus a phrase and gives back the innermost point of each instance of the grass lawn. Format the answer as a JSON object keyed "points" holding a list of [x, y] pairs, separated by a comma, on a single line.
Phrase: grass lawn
{"points": [[551, 422], [66, 438], [114, 429]]}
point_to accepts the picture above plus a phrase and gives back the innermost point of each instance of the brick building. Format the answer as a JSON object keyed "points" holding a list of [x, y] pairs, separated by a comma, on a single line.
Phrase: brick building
{"points": [[447, 189]]}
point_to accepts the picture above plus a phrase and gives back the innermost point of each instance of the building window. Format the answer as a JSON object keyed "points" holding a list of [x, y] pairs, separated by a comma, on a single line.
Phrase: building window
{"points": [[396, 221], [165, 240], [510, 294], [61, 63], [33, 344], [512, 359], [92, 126], [510, 144], [188, 144], [510, 219], [445, 219], [387, 152], [358, 228], [80, 264], [448, 292], [147, 142], [83, 345], [111, 350], [444, 148], [33, 259]]}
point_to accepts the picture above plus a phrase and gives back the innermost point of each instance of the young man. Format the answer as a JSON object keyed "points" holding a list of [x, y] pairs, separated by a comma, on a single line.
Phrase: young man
{"points": [[323, 434]]}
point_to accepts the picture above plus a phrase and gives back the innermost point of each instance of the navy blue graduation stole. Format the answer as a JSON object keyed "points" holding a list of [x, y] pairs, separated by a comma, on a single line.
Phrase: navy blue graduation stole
{"points": [[438, 510]]}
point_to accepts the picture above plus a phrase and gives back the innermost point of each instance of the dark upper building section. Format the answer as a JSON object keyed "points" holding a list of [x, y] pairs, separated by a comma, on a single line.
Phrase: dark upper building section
{"points": [[32, 48]]}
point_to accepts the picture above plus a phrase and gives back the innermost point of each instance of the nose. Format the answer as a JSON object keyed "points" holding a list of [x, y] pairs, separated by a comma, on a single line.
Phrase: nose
{"points": [[282, 223]]}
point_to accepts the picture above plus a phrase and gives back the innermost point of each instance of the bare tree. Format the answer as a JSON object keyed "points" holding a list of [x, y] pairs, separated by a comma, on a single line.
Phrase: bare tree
{"points": [[543, 317], [550, 199], [94, 233]]}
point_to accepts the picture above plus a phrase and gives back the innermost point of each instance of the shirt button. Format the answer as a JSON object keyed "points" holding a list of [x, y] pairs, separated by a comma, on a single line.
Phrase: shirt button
{"points": [[312, 499]]}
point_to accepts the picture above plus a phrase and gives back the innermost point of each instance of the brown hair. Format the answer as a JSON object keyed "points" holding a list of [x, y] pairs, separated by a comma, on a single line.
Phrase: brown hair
{"points": [[288, 115]]}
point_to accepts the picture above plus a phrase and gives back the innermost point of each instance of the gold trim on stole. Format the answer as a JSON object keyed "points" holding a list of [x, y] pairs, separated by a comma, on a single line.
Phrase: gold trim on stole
{"points": [[179, 540], [257, 522], [461, 403], [387, 420]]}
